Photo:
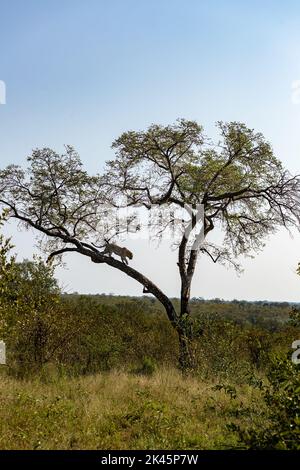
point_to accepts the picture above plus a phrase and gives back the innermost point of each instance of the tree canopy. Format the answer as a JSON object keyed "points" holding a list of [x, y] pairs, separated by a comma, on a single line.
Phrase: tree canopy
{"points": [[241, 185]]}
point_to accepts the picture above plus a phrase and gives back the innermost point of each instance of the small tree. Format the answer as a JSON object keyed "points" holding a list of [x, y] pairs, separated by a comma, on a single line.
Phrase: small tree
{"points": [[281, 429], [242, 187], [7, 270], [34, 322], [37, 325]]}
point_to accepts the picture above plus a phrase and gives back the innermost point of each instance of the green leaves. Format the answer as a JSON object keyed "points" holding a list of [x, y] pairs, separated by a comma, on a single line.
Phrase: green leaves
{"points": [[281, 395], [7, 263], [243, 186]]}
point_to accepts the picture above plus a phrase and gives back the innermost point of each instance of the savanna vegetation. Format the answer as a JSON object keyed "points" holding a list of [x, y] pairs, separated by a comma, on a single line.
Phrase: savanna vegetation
{"points": [[152, 371], [100, 372], [235, 185]]}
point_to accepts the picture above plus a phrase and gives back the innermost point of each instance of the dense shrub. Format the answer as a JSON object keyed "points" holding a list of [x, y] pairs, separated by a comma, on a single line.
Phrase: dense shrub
{"points": [[281, 394]]}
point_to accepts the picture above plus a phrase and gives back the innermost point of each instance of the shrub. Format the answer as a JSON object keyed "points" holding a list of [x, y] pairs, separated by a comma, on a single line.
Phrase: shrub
{"points": [[282, 398], [148, 367]]}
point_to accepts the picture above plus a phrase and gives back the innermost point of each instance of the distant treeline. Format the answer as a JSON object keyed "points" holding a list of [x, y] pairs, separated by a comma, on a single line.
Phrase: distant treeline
{"points": [[265, 314], [85, 334]]}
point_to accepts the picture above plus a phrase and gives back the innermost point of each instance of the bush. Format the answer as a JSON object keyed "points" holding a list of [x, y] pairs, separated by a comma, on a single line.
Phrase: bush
{"points": [[282, 399], [148, 367]]}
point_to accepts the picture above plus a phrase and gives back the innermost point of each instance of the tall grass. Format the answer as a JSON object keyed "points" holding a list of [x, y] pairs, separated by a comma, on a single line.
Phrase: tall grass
{"points": [[118, 410]]}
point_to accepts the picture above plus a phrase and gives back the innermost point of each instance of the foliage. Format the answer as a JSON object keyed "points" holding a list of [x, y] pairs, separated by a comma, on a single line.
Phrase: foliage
{"points": [[241, 185], [35, 323], [7, 263], [84, 335], [295, 317], [148, 367], [281, 428], [238, 179]]}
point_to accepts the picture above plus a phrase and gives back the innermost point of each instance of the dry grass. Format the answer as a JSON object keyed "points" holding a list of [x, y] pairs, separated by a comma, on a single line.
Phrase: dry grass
{"points": [[121, 411]]}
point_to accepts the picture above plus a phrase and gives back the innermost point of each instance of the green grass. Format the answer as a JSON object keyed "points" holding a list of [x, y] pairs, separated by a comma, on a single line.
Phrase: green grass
{"points": [[118, 410]]}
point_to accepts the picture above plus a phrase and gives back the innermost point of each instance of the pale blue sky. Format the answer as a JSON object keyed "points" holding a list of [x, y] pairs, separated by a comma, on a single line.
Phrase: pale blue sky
{"points": [[81, 73]]}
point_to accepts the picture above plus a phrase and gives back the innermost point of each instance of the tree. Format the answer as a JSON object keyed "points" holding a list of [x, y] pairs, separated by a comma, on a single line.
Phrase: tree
{"points": [[34, 321], [241, 186], [37, 325], [7, 270]]}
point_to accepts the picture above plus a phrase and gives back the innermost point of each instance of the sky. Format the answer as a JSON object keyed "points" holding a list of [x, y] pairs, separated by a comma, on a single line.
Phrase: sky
{"points": [[81, 73]]}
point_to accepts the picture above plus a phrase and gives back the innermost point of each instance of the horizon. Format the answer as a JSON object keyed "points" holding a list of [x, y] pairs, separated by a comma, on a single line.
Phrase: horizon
{"points": [[193, 299]]}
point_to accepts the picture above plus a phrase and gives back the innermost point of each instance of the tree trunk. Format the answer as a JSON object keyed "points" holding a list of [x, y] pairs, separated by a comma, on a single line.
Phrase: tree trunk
{"points": [[187, 360]]}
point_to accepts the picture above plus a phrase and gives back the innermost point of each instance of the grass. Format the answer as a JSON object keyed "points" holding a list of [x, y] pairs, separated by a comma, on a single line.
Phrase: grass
{"points": [[118, 410]]}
